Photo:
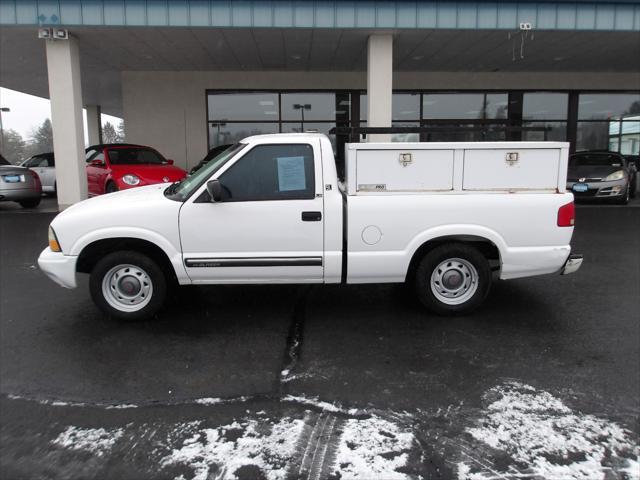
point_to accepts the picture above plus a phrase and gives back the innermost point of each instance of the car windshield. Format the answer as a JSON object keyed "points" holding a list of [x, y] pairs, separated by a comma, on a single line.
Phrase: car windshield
{"points": [[180, 191], [595, 159], [135, 156]]}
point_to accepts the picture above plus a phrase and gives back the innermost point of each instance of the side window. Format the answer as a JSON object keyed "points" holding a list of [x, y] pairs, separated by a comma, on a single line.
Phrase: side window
{"points": [[36, 162], [271, 172], [88, 156]]}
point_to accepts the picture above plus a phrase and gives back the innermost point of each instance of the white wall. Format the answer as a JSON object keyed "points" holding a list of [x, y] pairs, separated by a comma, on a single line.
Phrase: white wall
{"points": [[167, 110]]}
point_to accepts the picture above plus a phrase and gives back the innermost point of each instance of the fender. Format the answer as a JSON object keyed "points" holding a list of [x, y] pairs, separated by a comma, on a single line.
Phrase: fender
{"points": [[174, 255], [454, 230]]}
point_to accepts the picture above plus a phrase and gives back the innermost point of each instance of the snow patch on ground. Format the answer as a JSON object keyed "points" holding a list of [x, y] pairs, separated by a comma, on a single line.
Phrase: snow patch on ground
{"points": [[326, 406], [372, 448], [223, 450], [95, 440], [546, 439]]}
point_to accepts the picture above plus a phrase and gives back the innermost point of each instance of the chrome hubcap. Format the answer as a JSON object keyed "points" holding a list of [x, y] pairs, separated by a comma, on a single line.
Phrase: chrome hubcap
{"points": [[127, 288], [454, 281]]}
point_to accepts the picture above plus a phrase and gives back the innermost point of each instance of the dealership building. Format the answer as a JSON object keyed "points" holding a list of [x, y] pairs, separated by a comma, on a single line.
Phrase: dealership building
{"points": [[187, 75]]}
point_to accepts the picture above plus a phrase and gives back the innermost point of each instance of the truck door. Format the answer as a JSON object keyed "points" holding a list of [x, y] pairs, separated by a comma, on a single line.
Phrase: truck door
{"points": [[268, 226]]}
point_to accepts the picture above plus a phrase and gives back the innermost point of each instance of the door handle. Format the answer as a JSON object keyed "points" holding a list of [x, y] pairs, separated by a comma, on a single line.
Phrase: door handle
{"points": [[311, 216]]}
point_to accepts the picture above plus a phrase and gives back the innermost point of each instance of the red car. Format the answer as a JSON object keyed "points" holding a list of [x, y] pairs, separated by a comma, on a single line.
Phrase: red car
{"points": [[113, 167]]}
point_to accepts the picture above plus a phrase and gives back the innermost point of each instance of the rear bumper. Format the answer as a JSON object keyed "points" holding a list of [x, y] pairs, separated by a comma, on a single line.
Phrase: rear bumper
{"points": [[573, 264], [59, 267], [15, 195]]}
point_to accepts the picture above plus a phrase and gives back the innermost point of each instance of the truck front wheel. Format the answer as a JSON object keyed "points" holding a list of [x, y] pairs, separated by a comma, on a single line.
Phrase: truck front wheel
{"points": [[128, 285], [453, 279]]}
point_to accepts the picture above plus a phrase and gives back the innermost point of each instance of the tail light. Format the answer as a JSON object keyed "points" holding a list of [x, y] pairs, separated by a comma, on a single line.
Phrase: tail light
{"points": [[35, 176], [567, 215]]}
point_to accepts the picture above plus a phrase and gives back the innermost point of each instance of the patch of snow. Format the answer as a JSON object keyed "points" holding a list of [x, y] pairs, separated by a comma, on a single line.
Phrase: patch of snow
{"points": [[539, 431], [95, 440], [329, 407], [269, 447], [372, 448]]}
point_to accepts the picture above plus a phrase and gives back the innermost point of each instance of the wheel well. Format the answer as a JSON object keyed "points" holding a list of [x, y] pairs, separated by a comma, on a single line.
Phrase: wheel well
{"points": [[93, 252], [485, 246]]}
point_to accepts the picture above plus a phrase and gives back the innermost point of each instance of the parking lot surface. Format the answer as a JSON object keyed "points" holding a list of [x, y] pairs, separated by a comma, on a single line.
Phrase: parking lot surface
{"points": [[325, 381]]}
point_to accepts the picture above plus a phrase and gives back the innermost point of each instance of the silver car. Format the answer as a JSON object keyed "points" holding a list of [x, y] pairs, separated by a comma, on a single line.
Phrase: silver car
{"points": [[44, 165], [19, 184], [601, 175]]}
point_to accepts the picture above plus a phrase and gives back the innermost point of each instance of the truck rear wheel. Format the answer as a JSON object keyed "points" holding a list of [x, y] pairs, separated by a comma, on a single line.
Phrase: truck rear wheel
{"points": [[453, 279], [128, 285]]}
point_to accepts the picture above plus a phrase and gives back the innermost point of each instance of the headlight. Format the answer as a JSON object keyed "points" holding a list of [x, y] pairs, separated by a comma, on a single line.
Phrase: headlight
{"points": [[131, 179], [53, 241], [619, 175]]}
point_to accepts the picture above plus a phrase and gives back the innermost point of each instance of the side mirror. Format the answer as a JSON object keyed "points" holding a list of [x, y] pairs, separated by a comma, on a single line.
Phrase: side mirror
{"points": [[215, 190], [169, 161], [97, 163]]}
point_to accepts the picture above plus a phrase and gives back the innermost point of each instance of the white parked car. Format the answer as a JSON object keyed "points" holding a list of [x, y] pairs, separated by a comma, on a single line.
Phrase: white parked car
{"points": [[45, 166], [441, 216]]}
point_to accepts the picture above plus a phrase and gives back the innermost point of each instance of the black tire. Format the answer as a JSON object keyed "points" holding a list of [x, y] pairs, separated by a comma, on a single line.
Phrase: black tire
{"points": [[31, 203], [136, 262], [110, 187], [448, 257]]}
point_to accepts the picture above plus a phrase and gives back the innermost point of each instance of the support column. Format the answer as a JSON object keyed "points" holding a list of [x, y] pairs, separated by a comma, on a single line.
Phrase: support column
{"points": [[379, 83], [65, 93], [94, 124]]}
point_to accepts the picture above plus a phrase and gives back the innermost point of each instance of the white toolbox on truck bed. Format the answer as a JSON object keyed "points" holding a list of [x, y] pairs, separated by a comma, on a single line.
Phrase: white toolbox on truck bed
{"points": [[456, 167]]}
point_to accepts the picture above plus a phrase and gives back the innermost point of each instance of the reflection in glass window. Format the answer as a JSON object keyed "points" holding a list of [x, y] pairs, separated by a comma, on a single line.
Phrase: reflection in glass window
{"points": [[457, 132], [254, 106], [545, 132], [601, 106], [595, 136], [545, 106], [405, 106], [405, 137], [222, 133], [310, 106], [471, 106], [271, 172]]}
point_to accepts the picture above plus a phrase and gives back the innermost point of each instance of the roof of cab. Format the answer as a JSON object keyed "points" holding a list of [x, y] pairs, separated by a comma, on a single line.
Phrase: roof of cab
{"points": [[279, 137]]}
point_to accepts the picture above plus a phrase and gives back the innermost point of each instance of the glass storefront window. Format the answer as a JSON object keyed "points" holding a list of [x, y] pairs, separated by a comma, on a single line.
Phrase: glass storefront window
{"points": [[459, 132], [228, 133], [250, 106], [470, 106], [314, 106], [405, 137], [405, 106], [602, 106], [545, 106], [545, 132], [595, 136]]}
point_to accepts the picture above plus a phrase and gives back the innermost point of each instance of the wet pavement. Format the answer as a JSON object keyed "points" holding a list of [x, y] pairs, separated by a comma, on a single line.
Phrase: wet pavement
{"points": [[325, 381]]}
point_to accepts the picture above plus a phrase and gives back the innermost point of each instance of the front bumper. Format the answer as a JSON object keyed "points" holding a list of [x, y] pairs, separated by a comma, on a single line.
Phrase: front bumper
{"points": [[573, 264], [59, 267], [600, 190]]}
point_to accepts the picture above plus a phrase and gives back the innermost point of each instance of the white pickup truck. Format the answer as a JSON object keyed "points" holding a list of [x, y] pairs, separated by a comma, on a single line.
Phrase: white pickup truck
{"points": [[441, 216]]}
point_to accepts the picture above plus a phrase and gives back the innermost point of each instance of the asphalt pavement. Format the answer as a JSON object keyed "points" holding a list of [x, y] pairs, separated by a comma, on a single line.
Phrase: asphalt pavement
{"points": [[325, 381]]}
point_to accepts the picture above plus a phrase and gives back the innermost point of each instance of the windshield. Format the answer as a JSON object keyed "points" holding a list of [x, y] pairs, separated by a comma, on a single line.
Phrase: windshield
{"points": [[135, 156], [180, 191], [595, 159]]}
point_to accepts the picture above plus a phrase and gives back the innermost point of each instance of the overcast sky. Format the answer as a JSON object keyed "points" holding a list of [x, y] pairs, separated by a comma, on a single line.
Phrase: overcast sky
{"points": [[29, 111]]}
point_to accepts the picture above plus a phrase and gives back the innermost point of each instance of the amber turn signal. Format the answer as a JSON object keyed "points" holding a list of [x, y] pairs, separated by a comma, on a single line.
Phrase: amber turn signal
{"points": [[53, 241]]}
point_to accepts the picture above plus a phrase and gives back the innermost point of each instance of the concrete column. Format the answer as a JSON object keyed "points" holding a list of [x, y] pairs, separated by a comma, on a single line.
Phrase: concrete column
{"points": [[94, 124], [379, 83], [65, 93]]}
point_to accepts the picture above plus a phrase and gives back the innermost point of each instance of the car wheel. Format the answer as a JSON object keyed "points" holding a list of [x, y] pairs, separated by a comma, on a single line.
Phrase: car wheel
{"points": [[31, 203], [128, 285], [453, 279], [111, 187]]}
